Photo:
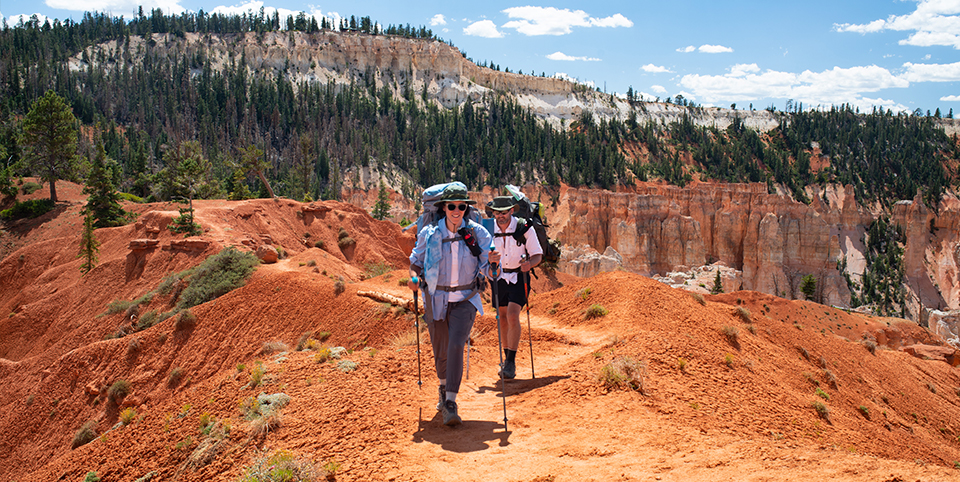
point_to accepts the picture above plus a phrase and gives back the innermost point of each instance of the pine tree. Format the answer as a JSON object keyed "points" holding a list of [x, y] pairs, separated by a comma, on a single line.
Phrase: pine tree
{"points": [[717, 285], [808, 286], [253, 161], [50, 140], [382, 208], [89, 246], [103, 200]]}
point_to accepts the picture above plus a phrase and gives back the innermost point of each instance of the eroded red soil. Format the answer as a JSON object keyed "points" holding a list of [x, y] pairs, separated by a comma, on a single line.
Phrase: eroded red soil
{"points": [[738, 409]]}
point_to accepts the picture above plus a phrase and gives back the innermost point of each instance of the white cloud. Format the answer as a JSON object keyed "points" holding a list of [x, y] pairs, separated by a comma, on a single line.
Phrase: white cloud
{"points": [[562, 56], [934, 22], [255, 6], [553, 21], [658, 89], [931, 72], [714, 49], [706, 49], [564, 76], [655, 69], [950, 98], [746, 82], [483, 28], [438, 19], [15, 20], [119, 7]]}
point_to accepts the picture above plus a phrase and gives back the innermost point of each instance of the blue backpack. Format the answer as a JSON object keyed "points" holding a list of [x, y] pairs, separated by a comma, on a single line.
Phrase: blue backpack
{"points": [[429, 212]]}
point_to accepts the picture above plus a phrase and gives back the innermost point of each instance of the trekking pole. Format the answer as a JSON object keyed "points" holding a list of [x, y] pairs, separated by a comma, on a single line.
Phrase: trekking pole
{"points": [[416, 324], [529, 331], [496, 309]]}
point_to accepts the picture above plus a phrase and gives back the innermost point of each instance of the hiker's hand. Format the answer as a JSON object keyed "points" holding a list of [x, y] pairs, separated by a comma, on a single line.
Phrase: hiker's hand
{"points": [[413, 284], [525, 265], [494, 257]]}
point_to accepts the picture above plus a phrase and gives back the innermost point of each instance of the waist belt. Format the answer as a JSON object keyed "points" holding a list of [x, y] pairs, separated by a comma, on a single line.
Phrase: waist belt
{"points": [[512, 270], [466, 287]]}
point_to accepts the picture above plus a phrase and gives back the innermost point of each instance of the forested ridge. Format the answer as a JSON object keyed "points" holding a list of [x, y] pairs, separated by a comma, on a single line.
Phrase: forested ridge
{"points": [[154, 105]]}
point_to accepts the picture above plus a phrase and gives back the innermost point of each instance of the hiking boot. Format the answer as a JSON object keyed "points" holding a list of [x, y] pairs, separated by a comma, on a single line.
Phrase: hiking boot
{"points": [[450, 417], [443, 397], [508, 370]]}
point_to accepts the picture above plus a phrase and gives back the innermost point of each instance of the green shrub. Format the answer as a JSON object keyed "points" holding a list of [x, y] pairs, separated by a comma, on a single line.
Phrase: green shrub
{"points": [[319, 244], [85, 435], [30, 187], [91, 477], [372, 270], [28, 209], [822, 394], [595, 311], [119, 389], [217, 275], [131, 197], [339, 286]]}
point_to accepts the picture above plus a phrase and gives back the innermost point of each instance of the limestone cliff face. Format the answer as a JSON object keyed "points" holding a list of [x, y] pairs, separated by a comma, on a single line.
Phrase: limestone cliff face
{"points": [[773, 240]]}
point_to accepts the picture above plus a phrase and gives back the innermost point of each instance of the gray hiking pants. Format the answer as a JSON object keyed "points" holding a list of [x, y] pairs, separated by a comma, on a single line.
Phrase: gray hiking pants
{"points": [[448, 337]]}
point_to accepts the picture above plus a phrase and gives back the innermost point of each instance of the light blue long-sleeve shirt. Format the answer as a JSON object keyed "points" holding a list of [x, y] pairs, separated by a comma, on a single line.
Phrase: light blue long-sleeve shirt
{"points": [[470, 267]]}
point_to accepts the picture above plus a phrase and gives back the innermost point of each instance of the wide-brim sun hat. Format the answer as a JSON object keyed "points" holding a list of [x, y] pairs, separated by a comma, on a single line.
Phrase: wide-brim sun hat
{"points": [[502, 203], [455, 194]]}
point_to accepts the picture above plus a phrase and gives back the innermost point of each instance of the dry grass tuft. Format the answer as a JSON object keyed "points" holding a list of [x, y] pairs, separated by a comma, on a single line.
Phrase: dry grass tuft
{"points": [[624, 372]]}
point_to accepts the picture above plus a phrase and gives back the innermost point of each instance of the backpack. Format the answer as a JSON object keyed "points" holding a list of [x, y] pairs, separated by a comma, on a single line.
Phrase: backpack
{"points": [[530, 215], [429, 212]]}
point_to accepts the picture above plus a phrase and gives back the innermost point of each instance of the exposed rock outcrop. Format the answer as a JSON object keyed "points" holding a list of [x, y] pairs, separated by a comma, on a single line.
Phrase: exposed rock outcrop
{"points": [[770, 239]]}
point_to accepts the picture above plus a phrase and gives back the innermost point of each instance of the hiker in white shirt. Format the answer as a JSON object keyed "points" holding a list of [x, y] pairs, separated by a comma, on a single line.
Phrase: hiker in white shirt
{"points": [[517, 254]]}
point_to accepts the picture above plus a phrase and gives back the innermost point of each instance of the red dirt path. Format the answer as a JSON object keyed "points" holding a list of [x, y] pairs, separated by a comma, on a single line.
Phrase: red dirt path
{"points": [[737, 411]]}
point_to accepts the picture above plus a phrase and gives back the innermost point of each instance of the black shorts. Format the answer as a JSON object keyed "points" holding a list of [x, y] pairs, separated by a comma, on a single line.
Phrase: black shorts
{"points": [[511, 293]]}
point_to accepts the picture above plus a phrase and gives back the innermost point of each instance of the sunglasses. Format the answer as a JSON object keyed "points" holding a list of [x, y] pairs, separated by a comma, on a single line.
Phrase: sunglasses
{"points": [[454, 207]]}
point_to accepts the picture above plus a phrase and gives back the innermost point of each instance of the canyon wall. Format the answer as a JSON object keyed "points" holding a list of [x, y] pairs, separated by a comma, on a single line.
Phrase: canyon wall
{"points": [[771, 240]]}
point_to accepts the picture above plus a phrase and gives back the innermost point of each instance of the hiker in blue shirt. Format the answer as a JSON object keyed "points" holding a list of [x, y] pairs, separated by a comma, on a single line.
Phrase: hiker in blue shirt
{"points": [[450, 258]]}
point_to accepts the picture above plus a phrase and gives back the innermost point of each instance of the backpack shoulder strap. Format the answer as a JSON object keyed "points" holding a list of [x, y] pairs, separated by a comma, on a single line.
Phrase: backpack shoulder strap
{"points": [[521, 232]]}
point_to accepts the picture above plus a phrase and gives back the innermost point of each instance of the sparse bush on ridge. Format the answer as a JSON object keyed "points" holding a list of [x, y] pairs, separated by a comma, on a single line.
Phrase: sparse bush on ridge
{"points": [[281, 466], [732, 334], [185, 320], [744, 314], [119, 390], [822, 410], [176, 374], [595, 311], [85, 435], [372, 270], [339, 286], [624, 372], [272, 347]]}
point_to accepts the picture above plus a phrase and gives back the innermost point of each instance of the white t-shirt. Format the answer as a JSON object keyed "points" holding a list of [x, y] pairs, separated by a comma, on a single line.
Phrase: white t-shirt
{"points": [[453, 296], [510, 252]]}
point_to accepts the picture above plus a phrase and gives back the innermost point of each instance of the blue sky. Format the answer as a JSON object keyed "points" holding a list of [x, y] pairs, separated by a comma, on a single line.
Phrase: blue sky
{"points": [[899, 54]]}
